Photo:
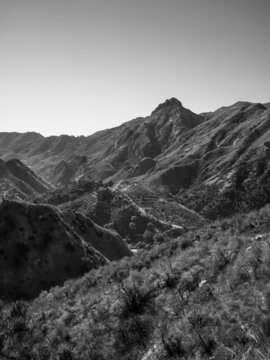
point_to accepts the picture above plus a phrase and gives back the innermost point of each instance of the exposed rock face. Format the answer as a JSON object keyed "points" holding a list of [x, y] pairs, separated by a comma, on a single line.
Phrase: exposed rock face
{"points": [[40, 247]]}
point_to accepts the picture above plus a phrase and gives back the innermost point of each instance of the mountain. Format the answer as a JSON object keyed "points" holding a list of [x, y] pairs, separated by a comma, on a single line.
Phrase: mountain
{"points": [[17, 181], [173, 153], [194, 288], [228, 153], [125, 151], [41, 247]]}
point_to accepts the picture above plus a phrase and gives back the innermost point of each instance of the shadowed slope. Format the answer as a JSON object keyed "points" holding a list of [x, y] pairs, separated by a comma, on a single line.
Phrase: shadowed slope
{"points": [[40, 247]]}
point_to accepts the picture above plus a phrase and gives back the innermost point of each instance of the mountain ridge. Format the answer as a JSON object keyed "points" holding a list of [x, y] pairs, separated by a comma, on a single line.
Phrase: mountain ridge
{"points": [[101, 163], [171, 151], [18, 181]]}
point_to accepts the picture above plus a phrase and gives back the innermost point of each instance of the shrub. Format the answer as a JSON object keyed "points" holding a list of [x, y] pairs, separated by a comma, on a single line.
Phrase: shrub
{"points": [[133, 332], [136, 299]]}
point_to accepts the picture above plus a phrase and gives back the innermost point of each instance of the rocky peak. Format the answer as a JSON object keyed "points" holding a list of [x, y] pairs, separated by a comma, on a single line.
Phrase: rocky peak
{"points": [[168, 105]]}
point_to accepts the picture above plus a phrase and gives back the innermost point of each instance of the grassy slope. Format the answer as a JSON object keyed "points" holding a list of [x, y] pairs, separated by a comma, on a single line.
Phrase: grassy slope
{"points": [[202, 296]]}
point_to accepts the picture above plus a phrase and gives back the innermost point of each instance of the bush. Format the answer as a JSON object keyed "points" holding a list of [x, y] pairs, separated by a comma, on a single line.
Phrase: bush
{"points": [[133, 332], [136, 299]]}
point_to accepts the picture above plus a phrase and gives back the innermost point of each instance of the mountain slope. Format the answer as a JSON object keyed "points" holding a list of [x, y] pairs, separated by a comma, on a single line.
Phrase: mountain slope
{"points": [[17, 181], [41, 247], [115, 209], [205, 296], [107, 242]]}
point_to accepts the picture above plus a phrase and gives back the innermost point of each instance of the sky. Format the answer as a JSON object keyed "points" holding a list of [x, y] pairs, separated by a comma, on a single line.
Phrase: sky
{"points": [[79, 66]]}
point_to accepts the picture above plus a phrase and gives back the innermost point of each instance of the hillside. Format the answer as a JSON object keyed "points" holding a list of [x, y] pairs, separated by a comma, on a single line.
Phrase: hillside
{"points": [[41, 247], [17, 181], [203, 296], [138, 223]]}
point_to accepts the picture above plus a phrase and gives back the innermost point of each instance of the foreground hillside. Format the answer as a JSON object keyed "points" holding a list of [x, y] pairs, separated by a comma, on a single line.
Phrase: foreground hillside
{"points": [[202, 296]]}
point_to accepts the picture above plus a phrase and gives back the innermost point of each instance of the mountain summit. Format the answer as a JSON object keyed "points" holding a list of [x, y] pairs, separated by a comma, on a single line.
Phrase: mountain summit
{"points": [[169, 103]]}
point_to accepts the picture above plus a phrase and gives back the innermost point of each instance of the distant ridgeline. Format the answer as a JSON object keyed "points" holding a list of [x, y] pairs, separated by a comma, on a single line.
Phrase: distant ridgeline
{"points": [[173, 152]]}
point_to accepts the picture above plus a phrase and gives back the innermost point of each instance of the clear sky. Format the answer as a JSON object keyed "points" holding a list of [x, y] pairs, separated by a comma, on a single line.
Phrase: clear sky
{"points": [[78, 66]]}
